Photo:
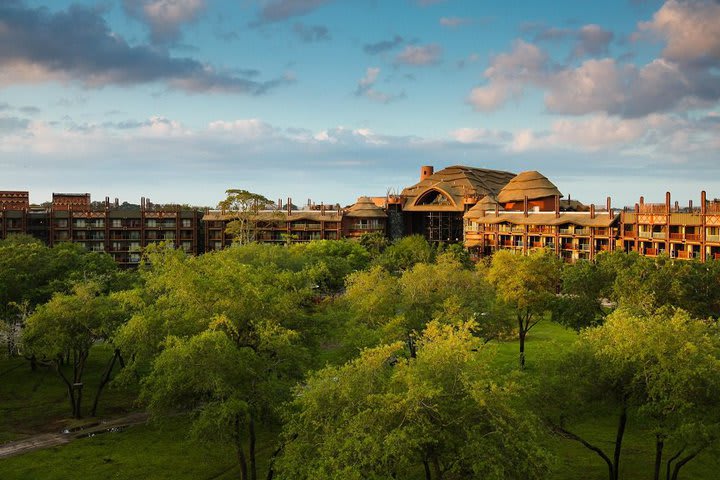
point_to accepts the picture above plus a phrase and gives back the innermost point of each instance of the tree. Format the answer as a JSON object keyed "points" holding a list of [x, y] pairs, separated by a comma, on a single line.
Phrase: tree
{"points": [[249, 307], [386, 415], [663, 368], [243, 207], [584, 292], [69, 325], [527, 284], [406, 252]]}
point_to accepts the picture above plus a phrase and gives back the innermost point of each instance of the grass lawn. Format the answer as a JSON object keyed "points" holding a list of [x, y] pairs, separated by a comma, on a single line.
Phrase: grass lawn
{"points": [[36, 402]]}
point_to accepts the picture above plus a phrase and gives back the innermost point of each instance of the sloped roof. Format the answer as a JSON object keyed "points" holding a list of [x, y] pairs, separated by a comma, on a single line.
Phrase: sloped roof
{"points": [[456, 182], [531, 184], [488, 203], [548, 218], [366, 208], [281, 216]]}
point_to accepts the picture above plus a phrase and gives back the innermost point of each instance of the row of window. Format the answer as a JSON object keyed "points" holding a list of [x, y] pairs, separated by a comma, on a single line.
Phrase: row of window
{"points": [[120, 223]]}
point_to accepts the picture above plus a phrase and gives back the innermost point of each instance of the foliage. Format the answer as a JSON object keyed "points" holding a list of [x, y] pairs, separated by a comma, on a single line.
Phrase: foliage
{"points": [[585, 287], [67, 327], [406, 252], [527, 284], [663, 369], [243, 205], [383, 416]]}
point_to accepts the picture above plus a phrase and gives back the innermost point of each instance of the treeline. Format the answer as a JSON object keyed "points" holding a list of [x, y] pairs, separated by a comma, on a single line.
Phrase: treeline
{"points": [[370, 360]]}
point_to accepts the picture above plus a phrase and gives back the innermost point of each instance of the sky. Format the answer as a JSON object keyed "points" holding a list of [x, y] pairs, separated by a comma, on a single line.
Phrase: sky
{"points": [[179, 100]]}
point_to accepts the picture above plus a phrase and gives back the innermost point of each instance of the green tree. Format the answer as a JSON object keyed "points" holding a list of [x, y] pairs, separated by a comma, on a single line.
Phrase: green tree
{"points": [[388, 415], [527, 284], [228, 307], [583, 300], [67, 327], [663, 369], [405, 253], [243, 207]]}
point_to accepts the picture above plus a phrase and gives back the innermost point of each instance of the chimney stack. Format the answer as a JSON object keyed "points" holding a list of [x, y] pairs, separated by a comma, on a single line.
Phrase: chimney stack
{"points": [[667, 202], [703, 202], [557, 206], [426, 171], [592, 210], [525, 206], [608, 203]]}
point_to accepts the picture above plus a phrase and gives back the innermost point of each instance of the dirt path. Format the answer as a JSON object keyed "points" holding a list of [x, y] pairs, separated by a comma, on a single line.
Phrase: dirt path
{"points": [[48, 440]]}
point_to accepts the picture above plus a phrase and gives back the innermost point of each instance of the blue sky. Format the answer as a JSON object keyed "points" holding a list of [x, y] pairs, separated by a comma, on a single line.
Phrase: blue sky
{"points": [[178, 100]]}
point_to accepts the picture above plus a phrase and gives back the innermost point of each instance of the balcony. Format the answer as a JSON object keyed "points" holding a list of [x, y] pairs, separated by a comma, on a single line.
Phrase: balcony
{"points": [[651, 252], [712, 238], [565, 231], [582, 231], [693, 237], [646, 234], [584, 247], [660, 235], [676, 236]]}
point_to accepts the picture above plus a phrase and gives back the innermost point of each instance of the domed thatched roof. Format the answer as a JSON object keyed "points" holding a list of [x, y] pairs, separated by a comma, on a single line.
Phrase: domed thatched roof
{"points": [[529, 184], [485, 204], [453, 184], [365, 208]]}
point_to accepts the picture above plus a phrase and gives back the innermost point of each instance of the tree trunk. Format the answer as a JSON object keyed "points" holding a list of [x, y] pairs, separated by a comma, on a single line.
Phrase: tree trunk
{"points": [[671, 460], [239, 450], [659, 444], [436, 467], [618, 441], [71, 393], [103, 381], [428, 475], [522, 332], [590, 446], [681, 463], [253, 468]]}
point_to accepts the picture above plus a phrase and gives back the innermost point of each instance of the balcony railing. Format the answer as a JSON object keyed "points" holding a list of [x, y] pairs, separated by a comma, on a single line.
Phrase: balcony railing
{"points": [[658, 235], [712, 238], [582, 231], [693, 237], [645, 234], [565, 231], [676, 236]]}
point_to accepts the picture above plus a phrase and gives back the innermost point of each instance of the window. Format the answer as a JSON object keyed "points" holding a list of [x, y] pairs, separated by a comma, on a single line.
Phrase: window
{"points": [[151, 222], [117, 223], [186, 223]]}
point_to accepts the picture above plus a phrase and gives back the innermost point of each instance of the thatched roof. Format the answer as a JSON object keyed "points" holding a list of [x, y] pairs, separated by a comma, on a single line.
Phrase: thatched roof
{"points": [[453, 184], [530, 184], [544, 218], [366, 208], [488, 203]]}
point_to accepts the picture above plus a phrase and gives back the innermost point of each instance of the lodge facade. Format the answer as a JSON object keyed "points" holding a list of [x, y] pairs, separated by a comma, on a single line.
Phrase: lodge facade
{"points": [[487, 210]]}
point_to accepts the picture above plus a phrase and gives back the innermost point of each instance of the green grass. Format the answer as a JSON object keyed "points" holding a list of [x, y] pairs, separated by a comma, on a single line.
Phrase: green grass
{"points": [[36, 402]]}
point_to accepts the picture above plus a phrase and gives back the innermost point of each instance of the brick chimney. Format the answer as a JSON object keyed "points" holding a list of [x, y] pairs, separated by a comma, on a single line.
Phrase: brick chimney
{"points": [[426, 171]]}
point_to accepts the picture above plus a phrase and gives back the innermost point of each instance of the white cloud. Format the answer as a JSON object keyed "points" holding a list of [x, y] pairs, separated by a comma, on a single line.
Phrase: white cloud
{"points": [[453, 22], [420, 55], [691, 30], [366, 88]]}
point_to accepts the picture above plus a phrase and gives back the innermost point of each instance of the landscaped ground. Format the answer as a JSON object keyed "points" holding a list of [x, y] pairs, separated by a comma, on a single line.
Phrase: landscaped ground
{"points": [[35, 402]]}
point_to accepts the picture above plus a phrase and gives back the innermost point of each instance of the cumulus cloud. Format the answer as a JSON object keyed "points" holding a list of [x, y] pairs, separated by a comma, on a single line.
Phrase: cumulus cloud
{"points": [[311, 33], [366, 88], [599, 85], [420, 55], [508, 74], [382, 46], [165, 17], [76, 45], [690, 29], [279, 10]]}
